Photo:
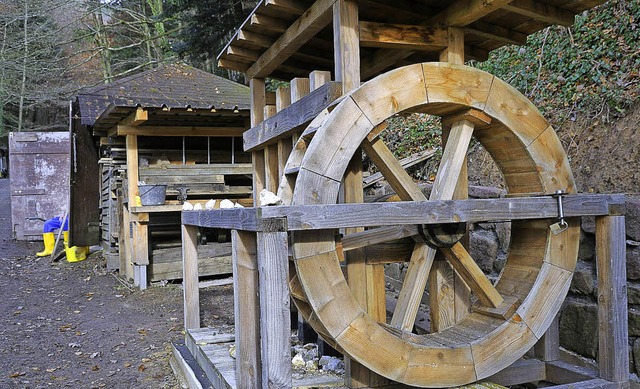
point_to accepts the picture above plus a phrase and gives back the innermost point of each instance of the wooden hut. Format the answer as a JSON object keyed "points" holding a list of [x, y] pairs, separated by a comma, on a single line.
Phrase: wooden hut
{"points": [[175, 125], [308, 147]]}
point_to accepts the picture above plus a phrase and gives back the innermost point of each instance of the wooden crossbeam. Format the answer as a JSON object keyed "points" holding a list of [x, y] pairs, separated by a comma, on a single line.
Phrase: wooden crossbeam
{"points": [[303, 29], [287, 6], [542, 12], [496, 33], [464, 12], [253, 38], [407, 213], [180, 131], [402, 36], [292, 117]]}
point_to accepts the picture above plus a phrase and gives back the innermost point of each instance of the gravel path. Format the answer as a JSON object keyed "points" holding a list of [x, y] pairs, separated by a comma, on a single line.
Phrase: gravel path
{"points": [[77, 325]]}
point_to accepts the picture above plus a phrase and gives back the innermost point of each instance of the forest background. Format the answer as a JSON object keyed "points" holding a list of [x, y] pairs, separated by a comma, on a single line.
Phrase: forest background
{"points": [[583, 78]]}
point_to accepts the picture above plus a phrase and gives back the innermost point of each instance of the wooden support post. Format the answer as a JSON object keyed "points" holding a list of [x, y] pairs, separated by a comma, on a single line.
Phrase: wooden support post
{"points": [[132, 168], [190, 277], [548, 347], [246, 309], [443, 279], [271, 163], [613, 346], [346, 44], [283, 100], [258, 102], [317, 78], [299, 88], [275, 322]]}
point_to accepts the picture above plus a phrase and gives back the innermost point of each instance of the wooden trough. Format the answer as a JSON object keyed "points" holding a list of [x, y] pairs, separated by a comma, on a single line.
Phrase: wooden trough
{"points": [[325, 249]]}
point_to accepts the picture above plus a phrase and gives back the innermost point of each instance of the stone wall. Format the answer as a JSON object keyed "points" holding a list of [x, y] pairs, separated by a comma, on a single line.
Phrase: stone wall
{"points": [[489, 244]]}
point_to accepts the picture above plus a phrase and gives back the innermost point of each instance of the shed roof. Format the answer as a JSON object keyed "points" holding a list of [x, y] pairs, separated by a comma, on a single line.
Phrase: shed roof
{"points": [[173, 90], [286, 39]]}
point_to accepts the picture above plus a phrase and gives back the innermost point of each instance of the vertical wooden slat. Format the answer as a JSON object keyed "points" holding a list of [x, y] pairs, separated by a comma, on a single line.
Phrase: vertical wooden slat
{"points": [[258, 102], [613, 346], [132, 168], [246, 309], [283, 98], [548, 347], [271, 168], [317, 78], [299, 88], [190, 277], [346, 44], [275, 322], [443, 279]]}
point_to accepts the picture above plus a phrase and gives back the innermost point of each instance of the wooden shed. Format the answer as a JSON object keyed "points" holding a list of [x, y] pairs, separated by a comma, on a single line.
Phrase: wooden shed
{"points": [[176, 126], [326, 249]]}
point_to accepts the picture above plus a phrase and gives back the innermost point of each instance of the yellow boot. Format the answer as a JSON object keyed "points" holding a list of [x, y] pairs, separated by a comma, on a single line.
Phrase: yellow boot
{"points": [[49, 241], [74, 254]]}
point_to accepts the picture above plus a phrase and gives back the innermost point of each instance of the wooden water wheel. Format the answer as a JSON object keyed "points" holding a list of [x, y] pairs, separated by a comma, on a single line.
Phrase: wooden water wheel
{"points": [[508, 317]]}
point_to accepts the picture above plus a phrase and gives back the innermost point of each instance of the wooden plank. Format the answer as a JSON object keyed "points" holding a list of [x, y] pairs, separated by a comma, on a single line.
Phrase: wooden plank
{"points": [[283, 98], [271, 162], [596, 383], [173, 270], [521, 371], [235, 218], [402, 216], [132, 167], [542, 12], [180, 131], [258, 102], [246, 309], [275, 323], [140, 241], [407, 162], [560, 372], [318, 78], [613, 346], [402, 36], [215, 168], [292, 118], [300, 87], [190, 280], [465, 12], [472, 275], [406, 310], [392, 170], [346, 48], [548, 347], [296, 35]]}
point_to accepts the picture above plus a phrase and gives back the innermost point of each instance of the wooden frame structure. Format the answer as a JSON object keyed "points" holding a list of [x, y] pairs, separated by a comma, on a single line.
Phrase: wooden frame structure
{"points": [[174, 125], [291, 40], [261, 264]]}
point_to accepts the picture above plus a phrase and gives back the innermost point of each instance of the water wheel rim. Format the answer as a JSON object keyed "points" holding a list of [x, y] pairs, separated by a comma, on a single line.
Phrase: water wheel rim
{"points": [[539, 267]]}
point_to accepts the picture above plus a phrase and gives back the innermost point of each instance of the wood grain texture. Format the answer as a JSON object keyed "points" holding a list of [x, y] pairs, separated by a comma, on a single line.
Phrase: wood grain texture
{"points": [[473, 275], [190, 277], [246, 306], [291, 118], [296, 35], [318, 78], [275, 324], [346, 45], [613, 346], [402, 36]]}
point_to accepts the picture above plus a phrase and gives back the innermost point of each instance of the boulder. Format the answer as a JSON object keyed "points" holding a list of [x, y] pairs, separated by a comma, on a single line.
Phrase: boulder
{"points": [[633, 293], [633, 219]]}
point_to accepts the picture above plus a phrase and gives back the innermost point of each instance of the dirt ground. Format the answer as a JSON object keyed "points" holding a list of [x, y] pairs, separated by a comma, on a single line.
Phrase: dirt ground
{"points": [[76, 325]]}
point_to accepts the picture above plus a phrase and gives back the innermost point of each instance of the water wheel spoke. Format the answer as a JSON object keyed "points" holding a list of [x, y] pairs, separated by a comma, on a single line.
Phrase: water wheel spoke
{"points": [[392, 170], [472, 275], [377, 235], [406, 310], [452, 161]]}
